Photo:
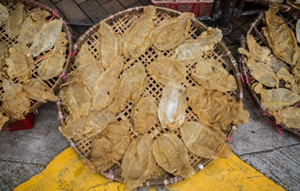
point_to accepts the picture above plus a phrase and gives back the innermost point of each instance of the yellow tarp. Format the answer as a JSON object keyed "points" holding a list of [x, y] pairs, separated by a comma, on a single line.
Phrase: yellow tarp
{"points": [[67, 172]]}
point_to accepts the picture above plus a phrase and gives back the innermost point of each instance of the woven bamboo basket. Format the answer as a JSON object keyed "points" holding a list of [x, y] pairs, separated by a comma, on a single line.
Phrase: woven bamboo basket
{"points": [[53, 83], [290, 18], [120, 22]]}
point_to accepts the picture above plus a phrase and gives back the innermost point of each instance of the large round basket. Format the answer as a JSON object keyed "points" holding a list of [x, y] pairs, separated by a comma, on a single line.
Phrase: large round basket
{"points": [[120, 22], [53, 83], [290, 17]]}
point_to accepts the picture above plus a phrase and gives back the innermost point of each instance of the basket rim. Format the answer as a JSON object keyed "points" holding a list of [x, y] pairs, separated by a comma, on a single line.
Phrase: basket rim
{"points": [[221, 45], [247, 76], [58, 82]]}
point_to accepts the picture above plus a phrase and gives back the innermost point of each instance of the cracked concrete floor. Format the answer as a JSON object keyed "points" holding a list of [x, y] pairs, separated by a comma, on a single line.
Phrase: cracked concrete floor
{"points": [[26, 153]]}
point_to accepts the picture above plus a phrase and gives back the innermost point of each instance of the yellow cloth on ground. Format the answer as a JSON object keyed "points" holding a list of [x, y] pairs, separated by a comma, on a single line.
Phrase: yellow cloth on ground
{"points": [[67, 172]]}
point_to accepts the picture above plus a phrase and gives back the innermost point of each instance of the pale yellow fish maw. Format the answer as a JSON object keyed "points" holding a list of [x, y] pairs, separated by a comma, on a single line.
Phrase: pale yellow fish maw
{"points": [[38, 14], [3, 15], [284, 74], [3, 120], [110, 44], [275, 99], [39, 90], [3, 54], [107, 85], [144, 114], [280, 38], [172, 32], [195, 48], [289, 116], [275, 63], [46, 37], [54, 61], [99, 120], [259, 53], [89, 67], [76, 97], [15, 20], [210, 74], [172, 106], [132, 85], [138, 163], [32, 25], [19, 63], [172, 155], [15, 101], [167, 69], [109, 147], [216, 109], [75, 128], [260, 71], [138, 37], [204, 141]]}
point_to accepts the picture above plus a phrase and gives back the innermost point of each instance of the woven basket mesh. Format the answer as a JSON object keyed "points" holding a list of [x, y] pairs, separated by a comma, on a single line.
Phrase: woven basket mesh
{"points": [[53, 82], [120, 22], [290, 18]]}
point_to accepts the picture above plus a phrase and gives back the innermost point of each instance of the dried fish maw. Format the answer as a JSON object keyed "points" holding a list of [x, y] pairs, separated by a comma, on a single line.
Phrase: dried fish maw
{"points": [[3, 15], [260, 71], [107, 85], [204, 141], [39, 90], [216, 109], [75, 128], [32, 25], [280, 38], [47, 36], [275, 99], [172, 32], [138, 37], [138, 163], [3, 54], [172, 155], [38, 14], [15, 20], [99, 120], [172, 106], [89, 67], [210, 74], [15, 101], [289, 116], [144, 114], [167, 69], [284, 74], [76, 97], [110, 44], [19, 63], [54, 61], [132, 85], [3, 120], [259, 53], [275, 63], [110, 146], [195, 48]]}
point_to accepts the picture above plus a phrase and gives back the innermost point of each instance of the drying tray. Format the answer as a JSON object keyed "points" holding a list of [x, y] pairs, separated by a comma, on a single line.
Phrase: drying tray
{"points": [[120, 22], [290, 18], [53, 83]]}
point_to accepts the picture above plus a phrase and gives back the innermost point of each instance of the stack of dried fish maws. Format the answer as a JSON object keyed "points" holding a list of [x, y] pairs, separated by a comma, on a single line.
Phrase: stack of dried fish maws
{"points": [[276, 69], [32, 51], [156, 132]]}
